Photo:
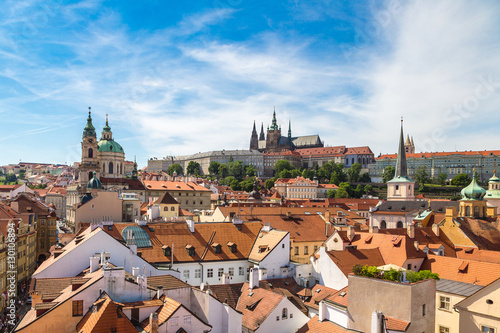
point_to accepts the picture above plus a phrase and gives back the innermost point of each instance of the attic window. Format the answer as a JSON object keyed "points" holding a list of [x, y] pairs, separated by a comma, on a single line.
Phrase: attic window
{"points": [[167, 250], [396, 241], [262, 248], [389, 208], [232, 247], [469, 250], [217, 248], [318, 290], [190, 249], [342, 294], [110, 228], [368, 239]]}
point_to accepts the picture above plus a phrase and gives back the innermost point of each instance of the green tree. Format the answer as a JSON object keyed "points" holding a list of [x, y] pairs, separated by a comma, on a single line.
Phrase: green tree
{"points": [[21, 174], [359, 191], [365, 178], [368, 189], [10, 178], [193, 168], [421, 175], [213, 168], [353, 172], [331, 193], [285, 174], [269, 183], [344, 190], [388, 174], [413, 277], [282, 165], [306, 173], [247, 184], [223, 170], [236, 169], [176, 167], [250, 171], [462, 179], [441, 178]]}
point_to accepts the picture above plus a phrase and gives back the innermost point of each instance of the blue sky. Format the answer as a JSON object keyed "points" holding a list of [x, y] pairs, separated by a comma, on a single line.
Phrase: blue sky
{"points": [[180, 77]]}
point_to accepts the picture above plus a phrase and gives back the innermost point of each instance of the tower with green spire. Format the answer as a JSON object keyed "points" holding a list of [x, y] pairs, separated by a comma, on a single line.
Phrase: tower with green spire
{"points": [[401, 187], [274, 124], [90, 162], [273, 136], [89, 129]]}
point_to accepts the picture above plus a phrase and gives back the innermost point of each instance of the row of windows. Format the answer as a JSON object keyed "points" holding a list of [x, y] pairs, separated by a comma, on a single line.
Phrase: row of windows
{"points": [[306, 250], [220, 272]]}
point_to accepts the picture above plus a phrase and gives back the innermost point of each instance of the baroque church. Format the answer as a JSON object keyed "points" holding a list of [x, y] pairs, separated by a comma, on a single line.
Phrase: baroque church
{"points": [[275, 142], [103, 158]]}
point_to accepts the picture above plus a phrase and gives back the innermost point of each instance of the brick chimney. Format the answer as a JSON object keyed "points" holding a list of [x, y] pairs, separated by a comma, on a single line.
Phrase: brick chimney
{"points": [[350, 233], [435, 229]]}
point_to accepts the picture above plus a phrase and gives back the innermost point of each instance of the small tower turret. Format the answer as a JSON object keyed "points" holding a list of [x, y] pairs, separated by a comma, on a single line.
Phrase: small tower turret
{"points": [[254, 140]]}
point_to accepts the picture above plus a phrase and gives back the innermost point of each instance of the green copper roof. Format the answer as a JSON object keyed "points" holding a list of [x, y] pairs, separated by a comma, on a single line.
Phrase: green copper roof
{"points": [[401, 179], [492, 194], [94, 183], [109, 146], [106, 128], [274, 125], [494, 179], [89, 130], [473, 191]]}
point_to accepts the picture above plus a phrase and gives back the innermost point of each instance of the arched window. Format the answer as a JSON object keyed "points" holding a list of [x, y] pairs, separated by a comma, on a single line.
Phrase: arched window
{"points": [[476, 211], [172, 208], [399, 224], [467, 211], [165, 208], [111, 167], [383, 224], [91, 153], [121, 169], [284, 313]]}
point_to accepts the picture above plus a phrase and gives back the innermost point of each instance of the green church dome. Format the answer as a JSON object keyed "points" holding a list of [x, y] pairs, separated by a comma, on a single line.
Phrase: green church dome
{"points": [[494, 179], [473, 191], [94, 183], [109, 146]]}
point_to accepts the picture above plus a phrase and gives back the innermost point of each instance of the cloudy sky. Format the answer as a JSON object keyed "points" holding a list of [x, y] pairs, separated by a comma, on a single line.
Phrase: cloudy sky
{"points": [[180, 77]]}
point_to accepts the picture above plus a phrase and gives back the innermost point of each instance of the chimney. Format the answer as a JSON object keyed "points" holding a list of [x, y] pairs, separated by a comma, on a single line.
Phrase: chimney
{"points": [[350, 233], [327, 216], [226, 279], [135, 271], [267, 227], [451, 211], [373, 229], [253, 280], [105, 257], [322, 311], [160, 292], [190, 224], [133, 248], [410, 229], [378, 325], [288, 214], [415, 243], [435, 229], [153, 322], [94, 264]]}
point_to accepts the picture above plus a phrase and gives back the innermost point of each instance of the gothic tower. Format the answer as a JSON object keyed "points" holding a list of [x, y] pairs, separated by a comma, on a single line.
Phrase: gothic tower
{"points": [[89, 163], [409, 146], [273, 135], [254, 140], [262, 136]]}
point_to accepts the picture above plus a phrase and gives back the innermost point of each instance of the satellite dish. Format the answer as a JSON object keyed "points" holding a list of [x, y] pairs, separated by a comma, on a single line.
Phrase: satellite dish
{"points": [[202, 285]]}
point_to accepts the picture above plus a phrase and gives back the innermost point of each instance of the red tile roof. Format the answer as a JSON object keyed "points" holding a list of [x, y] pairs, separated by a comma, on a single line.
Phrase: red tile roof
{"points": [[345, 260], [325, 326], [398, 325]]}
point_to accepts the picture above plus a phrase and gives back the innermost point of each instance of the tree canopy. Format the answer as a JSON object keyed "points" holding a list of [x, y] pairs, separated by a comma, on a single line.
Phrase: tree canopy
{"points": [[176, 167]]}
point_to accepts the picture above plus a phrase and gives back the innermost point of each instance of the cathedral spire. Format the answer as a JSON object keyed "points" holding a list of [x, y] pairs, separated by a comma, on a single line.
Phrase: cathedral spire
{"points": [[289, 129], [401, 168], [262, 137], [274, 125]]}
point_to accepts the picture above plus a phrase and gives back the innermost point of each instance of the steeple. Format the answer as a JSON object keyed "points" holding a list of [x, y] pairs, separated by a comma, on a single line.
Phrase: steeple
{"points": [[274, 125], [262, 137], [89, 129], [290, 131], [254, 139], [401, 168], [106, 131]]}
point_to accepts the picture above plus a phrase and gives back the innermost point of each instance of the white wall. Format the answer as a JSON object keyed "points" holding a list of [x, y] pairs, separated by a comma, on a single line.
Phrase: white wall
{"points": [[283, 325], [225, 265], [336, 315], [277, 258], [327, 272], [177, 320], [71, 263]]}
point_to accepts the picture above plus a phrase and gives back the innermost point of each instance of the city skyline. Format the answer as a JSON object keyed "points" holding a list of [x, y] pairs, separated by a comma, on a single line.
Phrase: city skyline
{"points": [[186, 78]]}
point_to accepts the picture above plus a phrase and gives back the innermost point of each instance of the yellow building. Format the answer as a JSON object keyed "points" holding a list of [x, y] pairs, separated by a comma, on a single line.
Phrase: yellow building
{"points": [[448, 294], [480, 312], [189, 195]]}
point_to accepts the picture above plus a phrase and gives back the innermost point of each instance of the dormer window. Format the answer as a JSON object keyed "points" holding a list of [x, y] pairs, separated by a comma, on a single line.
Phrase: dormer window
{"points": [[232, 247], [217, 247], [262, 248], [190, 249], [167, 250]]}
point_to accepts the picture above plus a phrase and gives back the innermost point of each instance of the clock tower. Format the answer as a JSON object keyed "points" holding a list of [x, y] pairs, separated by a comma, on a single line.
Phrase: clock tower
{"points": [[89, 163]]}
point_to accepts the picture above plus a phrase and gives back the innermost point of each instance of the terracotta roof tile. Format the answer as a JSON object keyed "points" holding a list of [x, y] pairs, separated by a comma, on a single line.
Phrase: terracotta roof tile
{"points": [[325, 326], [476, 272], [478, 255], [256, 305], [166, 310], [159, 185], [398, 325], [345, 260], [341, 297], [265, 243], [319, 293], [166, 199]]}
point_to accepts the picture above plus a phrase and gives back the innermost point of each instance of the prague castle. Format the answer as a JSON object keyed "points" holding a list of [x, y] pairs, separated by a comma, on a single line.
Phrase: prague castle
{"points": [[275, 142]]}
